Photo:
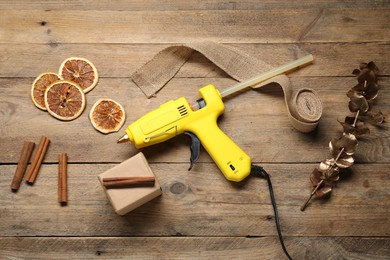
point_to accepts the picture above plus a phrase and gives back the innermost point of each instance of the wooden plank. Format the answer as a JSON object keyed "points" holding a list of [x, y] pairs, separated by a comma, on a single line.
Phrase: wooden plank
{"points": [[121, 60], [239, 26], [261, 129], [199, 203], [171, 5], [330, 59], [193, 248]]}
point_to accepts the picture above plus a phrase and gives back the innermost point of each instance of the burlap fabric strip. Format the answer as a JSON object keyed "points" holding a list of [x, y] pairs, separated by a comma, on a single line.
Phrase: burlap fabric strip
{"points": [[304, 106]]}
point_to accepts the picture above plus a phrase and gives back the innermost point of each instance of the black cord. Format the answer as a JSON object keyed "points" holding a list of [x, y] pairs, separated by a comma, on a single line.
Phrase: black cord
{"points": [[258, 170]]}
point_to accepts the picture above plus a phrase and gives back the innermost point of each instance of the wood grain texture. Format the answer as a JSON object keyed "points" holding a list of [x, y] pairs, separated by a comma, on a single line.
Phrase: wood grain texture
{"points": [[193, 248], [199, 203], [122, 60], [172, 5], [238, 26], [200, 214]]}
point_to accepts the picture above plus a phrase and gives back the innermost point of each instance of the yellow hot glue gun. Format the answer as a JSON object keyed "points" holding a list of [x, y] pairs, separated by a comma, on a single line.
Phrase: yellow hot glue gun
{"points": [[199, 121]]}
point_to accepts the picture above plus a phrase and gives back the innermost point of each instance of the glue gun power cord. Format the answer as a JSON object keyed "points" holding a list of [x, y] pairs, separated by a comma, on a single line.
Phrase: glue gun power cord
{"points": [[260, 172]]}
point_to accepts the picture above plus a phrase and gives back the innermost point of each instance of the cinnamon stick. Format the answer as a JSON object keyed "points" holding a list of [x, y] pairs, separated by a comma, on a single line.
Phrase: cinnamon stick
{"points": [[62, 178], [123, 182], [37, 160], [151, 178], [25, 155], [34, 161]]}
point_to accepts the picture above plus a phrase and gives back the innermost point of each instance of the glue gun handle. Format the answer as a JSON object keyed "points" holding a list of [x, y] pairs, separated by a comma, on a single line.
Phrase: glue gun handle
{"points": [[233, 162]]}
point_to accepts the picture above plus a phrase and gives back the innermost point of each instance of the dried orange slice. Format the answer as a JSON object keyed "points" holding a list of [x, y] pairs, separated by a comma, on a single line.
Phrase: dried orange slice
{"points": [[80, 71], [39, 86], [65, 100], [107, 115]]}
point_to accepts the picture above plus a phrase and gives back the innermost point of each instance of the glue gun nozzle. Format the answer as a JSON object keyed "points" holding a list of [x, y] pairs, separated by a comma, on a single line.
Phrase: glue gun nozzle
{"points": [[123, 139]]}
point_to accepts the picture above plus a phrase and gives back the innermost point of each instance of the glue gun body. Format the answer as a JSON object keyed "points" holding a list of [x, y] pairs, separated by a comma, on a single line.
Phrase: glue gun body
{"points": [[178, 117]]}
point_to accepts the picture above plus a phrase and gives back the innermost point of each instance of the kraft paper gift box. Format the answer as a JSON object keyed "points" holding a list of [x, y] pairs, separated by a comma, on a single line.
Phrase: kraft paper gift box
{"points": [[125, 200]]}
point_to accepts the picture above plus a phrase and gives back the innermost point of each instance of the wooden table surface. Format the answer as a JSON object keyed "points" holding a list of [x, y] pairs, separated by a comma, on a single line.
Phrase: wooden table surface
{"points": [[200, 214]]}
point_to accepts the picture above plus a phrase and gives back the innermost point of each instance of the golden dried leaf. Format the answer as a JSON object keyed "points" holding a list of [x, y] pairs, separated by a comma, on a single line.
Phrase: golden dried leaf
{"points": [[372, 66], [366, 72], [315, 177], [348, 142], [324, 191], [366, 75], [359, 129], [345, 161], [326, 165], [358, 102], [326, 171], [371, 90]]}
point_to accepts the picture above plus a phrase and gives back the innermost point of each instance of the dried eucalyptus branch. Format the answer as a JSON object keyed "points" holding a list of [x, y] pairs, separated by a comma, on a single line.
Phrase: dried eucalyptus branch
{"points": [[342, 149]]}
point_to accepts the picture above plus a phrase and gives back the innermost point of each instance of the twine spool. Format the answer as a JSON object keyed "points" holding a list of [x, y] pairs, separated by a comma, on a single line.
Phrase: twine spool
{"points": [[304, 108], [308, 107]]}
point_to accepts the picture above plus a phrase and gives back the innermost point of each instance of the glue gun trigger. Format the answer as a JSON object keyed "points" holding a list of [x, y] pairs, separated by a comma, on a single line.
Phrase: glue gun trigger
{"points": [[195, 148]]}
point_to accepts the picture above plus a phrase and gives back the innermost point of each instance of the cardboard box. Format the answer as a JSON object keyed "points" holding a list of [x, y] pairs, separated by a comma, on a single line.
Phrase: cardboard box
{"points": [[125, 200]]}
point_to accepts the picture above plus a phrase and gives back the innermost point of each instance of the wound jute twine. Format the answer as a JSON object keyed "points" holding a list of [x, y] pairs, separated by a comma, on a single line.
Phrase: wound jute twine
{"points": [[304, 106]]}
